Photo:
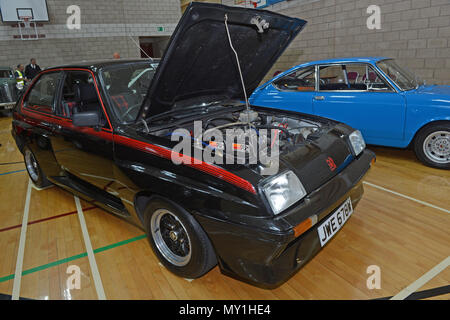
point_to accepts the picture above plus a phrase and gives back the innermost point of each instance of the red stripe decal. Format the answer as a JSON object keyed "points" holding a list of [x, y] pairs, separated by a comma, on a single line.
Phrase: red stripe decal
{"points": [[201, 166], [143, 146]]}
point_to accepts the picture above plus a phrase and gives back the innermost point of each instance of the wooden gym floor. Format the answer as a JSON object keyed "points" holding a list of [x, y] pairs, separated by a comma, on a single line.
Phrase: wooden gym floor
{"points": [[401, 225]]}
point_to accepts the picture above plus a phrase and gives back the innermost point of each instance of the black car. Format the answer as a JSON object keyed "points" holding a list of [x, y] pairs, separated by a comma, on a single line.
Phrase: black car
{"points": [[8, 90], [104, 131]]}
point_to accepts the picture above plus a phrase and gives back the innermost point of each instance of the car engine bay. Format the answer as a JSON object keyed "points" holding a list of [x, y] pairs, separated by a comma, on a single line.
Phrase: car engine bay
{"points": [[268, 127]]}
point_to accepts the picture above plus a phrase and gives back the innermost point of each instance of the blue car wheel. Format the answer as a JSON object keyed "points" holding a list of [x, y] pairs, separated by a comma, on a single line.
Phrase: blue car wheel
{"points": [[432, 145]]}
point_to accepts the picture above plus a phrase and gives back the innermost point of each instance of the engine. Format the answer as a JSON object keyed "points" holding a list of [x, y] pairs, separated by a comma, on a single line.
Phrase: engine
{"points": [[250, 132]]}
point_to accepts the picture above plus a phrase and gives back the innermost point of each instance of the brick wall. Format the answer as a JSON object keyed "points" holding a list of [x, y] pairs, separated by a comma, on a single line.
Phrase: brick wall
{"points": [[185, 3], [106, 27], [416, 32]]}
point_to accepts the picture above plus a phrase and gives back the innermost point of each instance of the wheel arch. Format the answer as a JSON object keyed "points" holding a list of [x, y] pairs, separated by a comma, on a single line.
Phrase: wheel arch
{"points": [[424, 126], [143, 198]]}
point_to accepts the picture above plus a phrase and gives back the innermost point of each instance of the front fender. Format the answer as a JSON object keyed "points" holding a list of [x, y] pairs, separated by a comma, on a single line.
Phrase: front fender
{"points": [[140, 173], [422, 111]]}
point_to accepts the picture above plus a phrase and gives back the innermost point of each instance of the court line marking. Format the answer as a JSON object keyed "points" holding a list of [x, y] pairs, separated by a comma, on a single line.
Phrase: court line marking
{"points": [[10, 172], [407, 197], [108, 247], [21, 250], [433, 272], [75, 257], [90, 252], [424, 294], [422, 280], [46, 219]]}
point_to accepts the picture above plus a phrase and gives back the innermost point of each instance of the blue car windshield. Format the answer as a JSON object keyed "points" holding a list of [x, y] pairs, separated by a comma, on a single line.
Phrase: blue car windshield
{"points": [[404, 79]]}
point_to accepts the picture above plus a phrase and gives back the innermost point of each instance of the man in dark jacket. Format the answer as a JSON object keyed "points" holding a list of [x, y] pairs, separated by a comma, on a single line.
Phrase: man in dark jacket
{"points": [[32, 69]]}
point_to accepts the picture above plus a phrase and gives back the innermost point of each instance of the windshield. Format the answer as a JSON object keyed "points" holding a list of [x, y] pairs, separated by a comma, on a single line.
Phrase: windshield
{"points": [[405, 79], [126, 87]]}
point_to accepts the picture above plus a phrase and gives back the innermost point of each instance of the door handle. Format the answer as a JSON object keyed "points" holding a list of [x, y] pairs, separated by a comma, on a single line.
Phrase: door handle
{"points": [[51, 126], [319, 98], [47, 125]]}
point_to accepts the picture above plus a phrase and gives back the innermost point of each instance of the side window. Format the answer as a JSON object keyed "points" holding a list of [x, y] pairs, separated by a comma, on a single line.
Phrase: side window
{"points": [[357, 77], [79, 94], [42, 95], [332, 78], [299, 80]]}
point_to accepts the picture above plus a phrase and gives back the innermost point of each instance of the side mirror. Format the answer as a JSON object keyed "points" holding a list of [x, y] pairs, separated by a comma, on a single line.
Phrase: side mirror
{"points": [[86, 119]]}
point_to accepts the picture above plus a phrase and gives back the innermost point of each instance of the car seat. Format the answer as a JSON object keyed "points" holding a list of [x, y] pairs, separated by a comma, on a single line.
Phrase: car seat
{"points": [[86, 98], [353, 76]]}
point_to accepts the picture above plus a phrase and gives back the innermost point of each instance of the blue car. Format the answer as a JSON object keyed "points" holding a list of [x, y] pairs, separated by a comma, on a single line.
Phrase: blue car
{"points": [[388, 104]]}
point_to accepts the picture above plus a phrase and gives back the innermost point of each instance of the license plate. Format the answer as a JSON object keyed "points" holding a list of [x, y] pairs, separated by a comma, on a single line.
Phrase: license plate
{"points": [[7, 106], [331, 226]]}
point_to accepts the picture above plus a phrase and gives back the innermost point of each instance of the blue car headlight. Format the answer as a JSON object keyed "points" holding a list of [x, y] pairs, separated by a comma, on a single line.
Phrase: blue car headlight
{"points": [[283, 190], [357, 142]]}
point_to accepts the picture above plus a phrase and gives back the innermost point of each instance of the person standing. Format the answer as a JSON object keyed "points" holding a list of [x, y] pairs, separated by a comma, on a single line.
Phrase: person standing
{"points": [[32, 69], [20, 78]]}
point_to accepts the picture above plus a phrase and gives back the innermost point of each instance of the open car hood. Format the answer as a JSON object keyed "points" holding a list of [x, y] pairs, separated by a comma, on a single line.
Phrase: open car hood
{"points": [[199, 64]]}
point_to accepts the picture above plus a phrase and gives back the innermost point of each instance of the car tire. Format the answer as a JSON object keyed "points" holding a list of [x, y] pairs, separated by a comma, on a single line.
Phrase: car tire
{"points": [[34, 170], [178, 240], [432, 145]]}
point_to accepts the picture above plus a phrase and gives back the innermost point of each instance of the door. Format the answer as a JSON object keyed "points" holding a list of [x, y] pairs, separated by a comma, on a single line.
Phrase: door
{"points": [[358, 96], [39, 110], [83, 152], [294, 92], [147, 50]]}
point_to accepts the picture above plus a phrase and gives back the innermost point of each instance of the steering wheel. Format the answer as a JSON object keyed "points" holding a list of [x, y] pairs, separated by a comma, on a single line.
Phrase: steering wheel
{"points": [[127, 113]]}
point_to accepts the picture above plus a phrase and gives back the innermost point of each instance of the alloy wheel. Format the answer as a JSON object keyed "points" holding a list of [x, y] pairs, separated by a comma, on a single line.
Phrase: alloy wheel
{"points": [[437, 147], [170, 237]]}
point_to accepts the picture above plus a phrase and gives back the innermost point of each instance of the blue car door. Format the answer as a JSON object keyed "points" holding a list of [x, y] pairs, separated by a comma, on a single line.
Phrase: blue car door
{"points": [[294, 91], [360, 97]]}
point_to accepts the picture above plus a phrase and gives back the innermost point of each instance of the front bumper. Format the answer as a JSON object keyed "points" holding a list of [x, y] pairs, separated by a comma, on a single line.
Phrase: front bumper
{"points": [[7, 105], [268, 259]]}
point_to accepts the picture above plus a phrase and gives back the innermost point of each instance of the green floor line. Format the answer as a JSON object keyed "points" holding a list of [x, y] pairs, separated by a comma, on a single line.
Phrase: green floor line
{"points": [[121, 243], [75, 257]]}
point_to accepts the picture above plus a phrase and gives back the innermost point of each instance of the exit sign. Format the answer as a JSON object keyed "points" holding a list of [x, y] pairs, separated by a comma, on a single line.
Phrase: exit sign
{"points": [[161, 29]]}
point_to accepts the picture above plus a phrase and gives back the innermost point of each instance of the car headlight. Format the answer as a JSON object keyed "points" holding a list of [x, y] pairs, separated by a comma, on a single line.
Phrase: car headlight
{"points": [[357, 142], [283, 190]]}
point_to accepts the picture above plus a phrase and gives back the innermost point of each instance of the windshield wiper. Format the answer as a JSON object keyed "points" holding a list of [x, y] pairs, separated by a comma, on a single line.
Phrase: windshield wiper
{"points": [[179, 111], [193, 117]]}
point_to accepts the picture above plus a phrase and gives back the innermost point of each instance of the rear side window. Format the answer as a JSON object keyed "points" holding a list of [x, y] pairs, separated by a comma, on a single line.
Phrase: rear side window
{"points": [[42, 95]]}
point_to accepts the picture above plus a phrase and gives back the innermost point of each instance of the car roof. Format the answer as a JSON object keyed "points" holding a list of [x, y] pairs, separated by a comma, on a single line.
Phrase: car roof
{"points": [[344, 60], [98, 64], [371, 60]]}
